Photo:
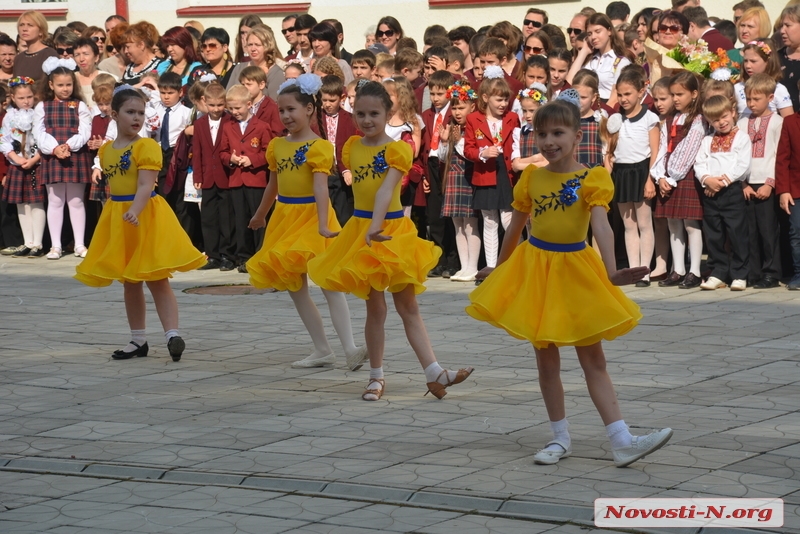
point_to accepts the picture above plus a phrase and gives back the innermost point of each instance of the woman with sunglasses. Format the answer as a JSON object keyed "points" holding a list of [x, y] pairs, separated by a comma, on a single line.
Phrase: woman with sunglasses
{"points": [[32, 29], [536, 44], [671, 27], [183, 58], [64, 43], [214, 47], [388, 33], [98, 35], [116, 62]]}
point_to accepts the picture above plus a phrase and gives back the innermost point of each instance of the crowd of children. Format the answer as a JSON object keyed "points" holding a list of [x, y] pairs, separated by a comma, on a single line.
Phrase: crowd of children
{"points": [[426, 165]]}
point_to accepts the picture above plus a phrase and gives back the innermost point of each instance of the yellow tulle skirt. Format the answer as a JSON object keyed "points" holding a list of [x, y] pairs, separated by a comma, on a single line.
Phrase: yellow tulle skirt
{"points": [[151, 251], [350, 266], [291, 241], [560, 298]]}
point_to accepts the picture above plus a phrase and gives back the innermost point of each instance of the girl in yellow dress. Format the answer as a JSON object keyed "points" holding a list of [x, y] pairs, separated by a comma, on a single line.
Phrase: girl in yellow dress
{"points": [[303, 221], [378, 249], [138, 238], [556, 291]]}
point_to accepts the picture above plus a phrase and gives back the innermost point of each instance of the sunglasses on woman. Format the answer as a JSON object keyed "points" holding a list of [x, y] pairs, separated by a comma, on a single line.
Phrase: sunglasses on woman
{"points": [[62, 51], [535, 50], [387, 33], [290, 29], [534, 23], [97, 39], [209, 46], [671, 28]]}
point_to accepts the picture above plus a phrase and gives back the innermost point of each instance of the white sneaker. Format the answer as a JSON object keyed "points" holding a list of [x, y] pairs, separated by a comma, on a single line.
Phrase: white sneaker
{"points": [[550, 457], [739, 285], [357, 360], [713, 283], [641, 447], [309, 362]]}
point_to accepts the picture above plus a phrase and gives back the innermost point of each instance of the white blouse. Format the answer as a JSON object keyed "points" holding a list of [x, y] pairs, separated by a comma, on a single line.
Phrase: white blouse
{"points": [[735, 164], [47, 143], [608, 67], [634, 137]]}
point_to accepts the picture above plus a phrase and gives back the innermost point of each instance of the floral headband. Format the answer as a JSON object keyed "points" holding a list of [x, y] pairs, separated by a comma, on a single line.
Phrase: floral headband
{"points": [[297, 63], [536, 92], [461, 91], [203, 75], [16, 81], [493, 72], [52, 63], [764, 47], [309, 84]]}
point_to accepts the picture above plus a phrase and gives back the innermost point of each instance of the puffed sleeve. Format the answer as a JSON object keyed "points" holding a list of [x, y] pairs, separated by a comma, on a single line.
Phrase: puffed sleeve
{"points": [[272, 161], [522, 198], [99, 158], [147, 155], [320, 156], [399, 156], [598, 189], [346, 150]]}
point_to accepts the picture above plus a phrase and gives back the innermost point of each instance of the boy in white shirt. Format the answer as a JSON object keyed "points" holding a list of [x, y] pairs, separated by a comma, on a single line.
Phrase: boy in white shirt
{"points": [[763, 126], [722, 165]]}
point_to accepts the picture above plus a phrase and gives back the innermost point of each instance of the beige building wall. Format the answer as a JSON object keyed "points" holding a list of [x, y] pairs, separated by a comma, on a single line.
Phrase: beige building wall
{"points": [[355, 15]]}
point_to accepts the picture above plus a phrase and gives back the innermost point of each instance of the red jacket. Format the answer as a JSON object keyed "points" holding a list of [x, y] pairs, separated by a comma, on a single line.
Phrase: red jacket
{"points": [[253, 144], [787, 163], [268, 114], [429, 120], [206, 158], [716, 40], [345, 129], [477, 135]]}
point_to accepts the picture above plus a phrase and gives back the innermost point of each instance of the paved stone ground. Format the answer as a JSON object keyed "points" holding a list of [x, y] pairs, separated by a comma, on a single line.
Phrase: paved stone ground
{"points": [[231, 439]]}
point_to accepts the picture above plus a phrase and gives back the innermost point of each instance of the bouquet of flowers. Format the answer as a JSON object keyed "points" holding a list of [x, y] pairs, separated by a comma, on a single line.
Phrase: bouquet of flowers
{"points": [[696, 57]]}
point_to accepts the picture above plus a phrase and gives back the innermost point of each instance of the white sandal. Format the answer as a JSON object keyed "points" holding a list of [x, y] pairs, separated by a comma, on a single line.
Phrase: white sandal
{"points": [[55, 254]]}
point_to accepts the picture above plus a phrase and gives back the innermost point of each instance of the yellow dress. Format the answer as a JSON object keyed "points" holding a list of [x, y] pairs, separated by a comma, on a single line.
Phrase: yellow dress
{"points": [[349, 265], [550, 296], [292, 236], [151, 251]]}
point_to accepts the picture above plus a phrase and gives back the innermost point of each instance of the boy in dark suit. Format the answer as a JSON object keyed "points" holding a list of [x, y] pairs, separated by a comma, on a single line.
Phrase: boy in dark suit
{"points": [[339, 127], [244, 151], [211, 176]]}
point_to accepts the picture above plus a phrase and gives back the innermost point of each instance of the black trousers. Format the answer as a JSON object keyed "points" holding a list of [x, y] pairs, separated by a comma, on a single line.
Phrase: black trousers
{"points": [[441, 229], [10, 231], [188, 213], [245, 201], [218, 224], [341, 196], [725, 216], [765, 252]]}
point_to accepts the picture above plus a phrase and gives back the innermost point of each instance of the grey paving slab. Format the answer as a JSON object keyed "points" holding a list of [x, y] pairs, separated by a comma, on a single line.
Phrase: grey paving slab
{"points": [[231, 439]]}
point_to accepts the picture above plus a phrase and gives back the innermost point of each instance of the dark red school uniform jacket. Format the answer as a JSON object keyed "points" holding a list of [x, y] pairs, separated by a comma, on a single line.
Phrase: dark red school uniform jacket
{"points": [[268, 114], [787, 162], [429, 120], [253, 144], [207, 154], [477, 135], [100, 126], [345, 129]]}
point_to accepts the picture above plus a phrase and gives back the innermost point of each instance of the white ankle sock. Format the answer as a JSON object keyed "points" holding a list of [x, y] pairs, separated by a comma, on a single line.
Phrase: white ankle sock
{"points": [[376, 372], [561, 434], [619, 434], [169, 334], [137, 336]]}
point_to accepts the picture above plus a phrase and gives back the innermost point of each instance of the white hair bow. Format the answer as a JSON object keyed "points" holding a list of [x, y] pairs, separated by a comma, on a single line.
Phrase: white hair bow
{"points": [[52, 63]]}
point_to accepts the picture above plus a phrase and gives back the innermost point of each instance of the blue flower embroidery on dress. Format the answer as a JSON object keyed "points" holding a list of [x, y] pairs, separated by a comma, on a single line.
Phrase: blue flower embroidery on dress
{"points": [[376, 169], [123, 165], [563, 198], [295, 162]]}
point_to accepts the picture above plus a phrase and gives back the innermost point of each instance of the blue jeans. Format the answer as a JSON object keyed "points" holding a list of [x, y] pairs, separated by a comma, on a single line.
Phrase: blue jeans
{"points": [[794, 235]]}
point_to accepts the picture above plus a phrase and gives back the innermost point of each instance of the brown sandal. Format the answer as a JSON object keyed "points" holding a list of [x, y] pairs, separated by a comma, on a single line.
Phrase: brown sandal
{"points": [[439, 390], [377, 392]]}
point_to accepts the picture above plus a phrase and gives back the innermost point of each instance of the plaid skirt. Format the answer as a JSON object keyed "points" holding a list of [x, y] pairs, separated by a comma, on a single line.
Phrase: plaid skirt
{"points": [[684, 201], [77, 169], [19, 187], [100, 192], [457, 197]]}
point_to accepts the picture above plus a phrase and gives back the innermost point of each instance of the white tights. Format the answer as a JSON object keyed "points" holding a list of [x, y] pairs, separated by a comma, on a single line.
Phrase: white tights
{"points": [[340, 317], [468, 243], [678, 243], [72, 195], [639, 238], [32, 220], [491, 239]]}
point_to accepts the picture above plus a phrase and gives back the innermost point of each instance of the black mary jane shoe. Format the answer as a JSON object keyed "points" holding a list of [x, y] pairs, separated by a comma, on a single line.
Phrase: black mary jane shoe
{"points": [[643, 283], [37, 252], [767, 282], [690, 281], [211, 264], [176, 346], [21, 253], [140, 352], [673, 279]]}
